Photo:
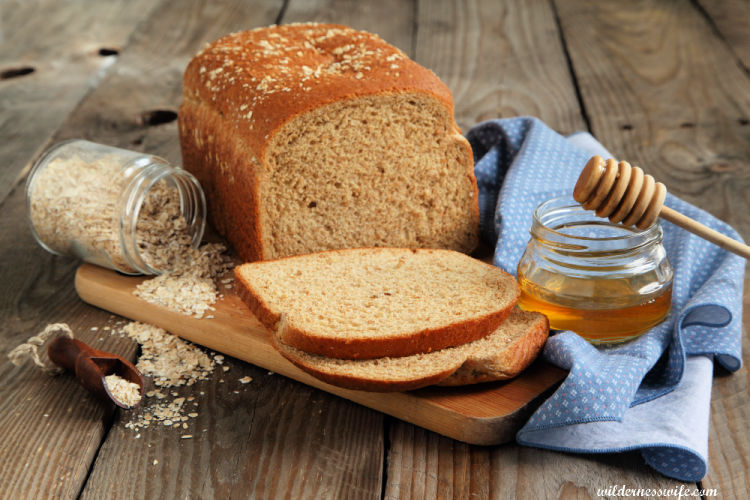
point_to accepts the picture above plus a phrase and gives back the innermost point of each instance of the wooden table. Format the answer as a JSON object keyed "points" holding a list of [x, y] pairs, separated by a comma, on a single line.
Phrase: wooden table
{"points": [[665, 84]]}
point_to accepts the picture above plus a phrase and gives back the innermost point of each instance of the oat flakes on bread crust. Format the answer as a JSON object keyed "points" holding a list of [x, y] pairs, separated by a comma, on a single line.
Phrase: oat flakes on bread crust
{"points": [[375, 302], [253, 77]]}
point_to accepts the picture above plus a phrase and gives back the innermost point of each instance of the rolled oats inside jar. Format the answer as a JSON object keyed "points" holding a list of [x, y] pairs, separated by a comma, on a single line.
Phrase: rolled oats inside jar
{"points": [[120, 209]]}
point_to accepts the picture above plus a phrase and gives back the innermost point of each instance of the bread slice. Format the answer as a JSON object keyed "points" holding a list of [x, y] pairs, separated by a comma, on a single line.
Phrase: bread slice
{"points": [[311, 137], [375, 302], [501, 355]]}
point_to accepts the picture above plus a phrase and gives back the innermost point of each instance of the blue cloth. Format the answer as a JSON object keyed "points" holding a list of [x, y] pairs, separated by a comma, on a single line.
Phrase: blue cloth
{"points": [[616, 398]]}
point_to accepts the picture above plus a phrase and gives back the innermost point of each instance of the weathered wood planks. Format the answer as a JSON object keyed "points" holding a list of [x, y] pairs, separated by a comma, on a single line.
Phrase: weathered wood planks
{"points": [[663, 91], [51, 428], [499, 59], [731, 18], [270, 438], [393, 20], [51, 57], [435, 467]]}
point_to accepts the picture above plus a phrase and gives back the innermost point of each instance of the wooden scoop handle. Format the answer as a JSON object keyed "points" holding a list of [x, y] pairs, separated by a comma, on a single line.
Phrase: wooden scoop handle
{"points": [[90, 366], [623, 193], [76, 357]]}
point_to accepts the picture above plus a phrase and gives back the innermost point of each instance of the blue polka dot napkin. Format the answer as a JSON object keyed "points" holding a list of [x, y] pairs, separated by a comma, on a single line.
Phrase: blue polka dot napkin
{"points": [[652, 393]]}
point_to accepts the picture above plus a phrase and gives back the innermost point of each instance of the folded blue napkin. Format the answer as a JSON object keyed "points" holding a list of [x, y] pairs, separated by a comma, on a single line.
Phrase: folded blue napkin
{"points": [[652, 393]]}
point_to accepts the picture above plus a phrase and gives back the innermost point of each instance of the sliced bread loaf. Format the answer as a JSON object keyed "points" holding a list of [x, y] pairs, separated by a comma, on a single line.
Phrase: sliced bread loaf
{"points": [[501, 355], [375, 302], [310, 137]]}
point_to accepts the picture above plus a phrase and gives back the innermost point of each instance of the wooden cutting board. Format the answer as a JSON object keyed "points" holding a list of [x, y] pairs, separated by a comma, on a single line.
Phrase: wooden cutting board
{"points": [[482, 414]]}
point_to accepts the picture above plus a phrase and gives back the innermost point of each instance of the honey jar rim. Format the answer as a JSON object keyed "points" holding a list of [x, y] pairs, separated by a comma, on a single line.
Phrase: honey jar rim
{"points": [[566, 205]]}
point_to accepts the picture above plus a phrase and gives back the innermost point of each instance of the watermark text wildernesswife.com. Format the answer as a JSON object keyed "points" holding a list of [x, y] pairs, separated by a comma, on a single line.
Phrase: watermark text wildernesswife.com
{"points": [[682, 491]]}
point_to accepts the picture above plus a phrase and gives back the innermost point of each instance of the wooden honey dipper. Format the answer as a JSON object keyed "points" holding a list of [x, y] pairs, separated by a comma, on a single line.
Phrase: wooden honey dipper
{"points": [[623, 193]]}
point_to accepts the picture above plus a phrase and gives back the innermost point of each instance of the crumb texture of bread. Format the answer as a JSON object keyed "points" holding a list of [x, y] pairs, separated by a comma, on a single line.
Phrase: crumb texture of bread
{"points": [[312, 137], [376, 302], [502, 355], [380, 170]]}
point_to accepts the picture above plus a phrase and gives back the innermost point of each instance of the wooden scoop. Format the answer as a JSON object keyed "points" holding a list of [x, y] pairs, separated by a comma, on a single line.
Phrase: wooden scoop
{"points": [[623, 193], [90, 366]]}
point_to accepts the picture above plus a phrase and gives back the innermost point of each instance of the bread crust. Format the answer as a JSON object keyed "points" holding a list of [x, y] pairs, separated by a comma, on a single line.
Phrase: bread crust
{"points": [[494, 365], [505, 365], [352, 382], [426, 340], [241, 90], [244, 69], [230, 184]]}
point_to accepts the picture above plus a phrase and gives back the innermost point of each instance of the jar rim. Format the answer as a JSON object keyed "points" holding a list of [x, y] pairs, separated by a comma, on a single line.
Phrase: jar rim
{"points": [[134, 195], [549, 215]]}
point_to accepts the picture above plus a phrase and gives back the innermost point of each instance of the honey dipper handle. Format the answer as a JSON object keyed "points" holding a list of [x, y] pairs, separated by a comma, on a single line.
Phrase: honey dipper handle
{"points": [[705, 232]]}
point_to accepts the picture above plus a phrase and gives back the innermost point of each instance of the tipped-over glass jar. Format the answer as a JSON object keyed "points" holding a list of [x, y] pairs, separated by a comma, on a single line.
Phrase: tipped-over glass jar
{"points": [[125, 210], [607, 282]]}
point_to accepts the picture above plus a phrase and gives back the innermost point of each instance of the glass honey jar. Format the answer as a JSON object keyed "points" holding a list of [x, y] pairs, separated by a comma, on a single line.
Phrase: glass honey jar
{"points": [[607, 282]]}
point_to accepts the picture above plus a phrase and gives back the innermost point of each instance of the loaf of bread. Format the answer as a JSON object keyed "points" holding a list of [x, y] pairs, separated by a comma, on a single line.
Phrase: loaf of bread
{"points": [[499, 356], [313, 137], [376, 302]]}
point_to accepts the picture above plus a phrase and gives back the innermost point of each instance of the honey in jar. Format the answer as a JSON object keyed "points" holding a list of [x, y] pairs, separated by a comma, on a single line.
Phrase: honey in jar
{"points": [[607, 282]]}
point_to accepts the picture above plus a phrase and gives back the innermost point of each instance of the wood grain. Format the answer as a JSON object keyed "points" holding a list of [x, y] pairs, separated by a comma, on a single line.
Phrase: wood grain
{"points": [[391, 19], [488, 53], [148, 76], [61, 49], [430, 466], [662, 90], [51, 428], [732, 20]]}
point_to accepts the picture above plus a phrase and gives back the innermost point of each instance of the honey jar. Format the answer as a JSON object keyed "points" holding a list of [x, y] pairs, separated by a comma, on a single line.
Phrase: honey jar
{"points": [[607, 282]]}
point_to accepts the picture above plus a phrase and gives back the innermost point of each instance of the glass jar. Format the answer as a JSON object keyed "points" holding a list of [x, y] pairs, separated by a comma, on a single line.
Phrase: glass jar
{"points": [[607, 282], [125, 210]]}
